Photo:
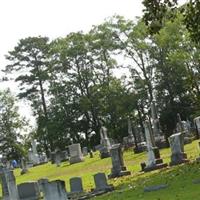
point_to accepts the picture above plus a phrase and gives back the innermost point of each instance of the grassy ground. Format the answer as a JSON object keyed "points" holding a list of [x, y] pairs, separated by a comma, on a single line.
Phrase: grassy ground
{"points": [[179, 179]]}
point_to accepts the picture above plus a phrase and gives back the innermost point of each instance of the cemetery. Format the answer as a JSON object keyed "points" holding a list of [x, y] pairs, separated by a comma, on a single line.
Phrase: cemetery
{"points": [[98, 105]]}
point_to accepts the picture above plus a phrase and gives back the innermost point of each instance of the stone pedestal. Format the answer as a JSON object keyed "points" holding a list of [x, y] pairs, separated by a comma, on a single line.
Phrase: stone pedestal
{"points": [[76, 155], [118, 168], [176, 142]]}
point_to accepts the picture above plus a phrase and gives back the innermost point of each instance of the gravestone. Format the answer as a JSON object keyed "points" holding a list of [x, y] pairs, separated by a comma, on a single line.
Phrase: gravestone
{"points": [[54, 190], [58, 158], [76, 155], [4, 185], [11, 185], [32, 154], [176, 142], [85, 151], [76, 185], [154, 161], [29, 191], [23, 166], [101, 183], [105, 143], [118, 168], [197, 125]]}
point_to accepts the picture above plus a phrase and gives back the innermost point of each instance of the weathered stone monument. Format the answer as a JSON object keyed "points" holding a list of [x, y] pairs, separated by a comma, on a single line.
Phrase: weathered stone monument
{"points": [[32, 154], [9, 188], [76, 185], [105, 143], [118, 167], [176, 142], [197, 125], [101, 183], [154, 161], [23, 166], [54, 190], [85, 151], [76, 155], [29, 191]]}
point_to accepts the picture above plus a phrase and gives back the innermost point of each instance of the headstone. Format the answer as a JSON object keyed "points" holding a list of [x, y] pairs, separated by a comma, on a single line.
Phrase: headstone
{"points": [[155, 188], [33, 155], [54, 190], [176, 142], [101, 183], [105, 142], [23, 166], [197, 125], [58, 158], [29, 191], [154, 161], [76, 185], [4, 185], [11, 185], [118, 167], [76, 155], [85, 151]]}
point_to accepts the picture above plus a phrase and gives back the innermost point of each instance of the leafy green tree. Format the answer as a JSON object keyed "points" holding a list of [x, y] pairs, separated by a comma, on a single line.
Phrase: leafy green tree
{"points": [[11, 127]]}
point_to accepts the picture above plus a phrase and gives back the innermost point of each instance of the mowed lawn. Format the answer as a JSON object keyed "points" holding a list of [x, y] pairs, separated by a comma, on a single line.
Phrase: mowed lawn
{"points": [[179, 179]]}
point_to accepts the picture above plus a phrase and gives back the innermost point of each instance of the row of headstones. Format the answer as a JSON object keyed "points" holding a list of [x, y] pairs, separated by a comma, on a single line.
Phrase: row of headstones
{"points": [[51, 190]]}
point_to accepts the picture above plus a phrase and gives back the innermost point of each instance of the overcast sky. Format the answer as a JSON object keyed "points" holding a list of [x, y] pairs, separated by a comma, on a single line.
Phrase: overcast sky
{"points": [[55, 18]]}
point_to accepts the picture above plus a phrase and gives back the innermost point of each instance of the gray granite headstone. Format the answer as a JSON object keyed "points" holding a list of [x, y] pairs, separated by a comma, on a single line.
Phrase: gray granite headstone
{"points": [[101, 183], [155, 188], [85, 151], [29, 191], [76, 185], [54, 190], [76, 155], [11, 185], [176, 142], [118, 168]]}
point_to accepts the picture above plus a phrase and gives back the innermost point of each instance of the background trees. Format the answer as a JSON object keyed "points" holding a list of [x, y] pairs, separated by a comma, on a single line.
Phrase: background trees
{"points": [[72, 85]]}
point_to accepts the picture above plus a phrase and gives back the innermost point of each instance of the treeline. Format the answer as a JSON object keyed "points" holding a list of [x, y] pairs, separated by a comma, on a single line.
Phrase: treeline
{"points": [[71, 85]]}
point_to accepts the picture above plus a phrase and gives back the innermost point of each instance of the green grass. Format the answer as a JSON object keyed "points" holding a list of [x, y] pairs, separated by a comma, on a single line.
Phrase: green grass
{"points": [[131, 187]]}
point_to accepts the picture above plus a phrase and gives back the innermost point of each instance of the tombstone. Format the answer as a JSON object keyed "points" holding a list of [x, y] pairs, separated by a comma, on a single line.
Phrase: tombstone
{"points": [[29, 191], [176, 142], [85, 151], [154, 161], [4, 185], [105, 143], [9, 186], [118, 168], [58, 158], [33, 155], [197, 125], [54, 190], [101, 183], [23, 166], [76, 155], [64, 156], [76, 185]]}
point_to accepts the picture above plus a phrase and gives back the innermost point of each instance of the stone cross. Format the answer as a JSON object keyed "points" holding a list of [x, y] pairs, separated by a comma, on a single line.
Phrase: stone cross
{"points": [[118, 168]]}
